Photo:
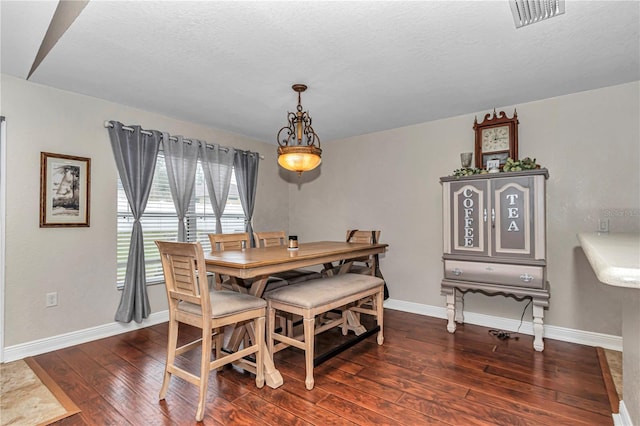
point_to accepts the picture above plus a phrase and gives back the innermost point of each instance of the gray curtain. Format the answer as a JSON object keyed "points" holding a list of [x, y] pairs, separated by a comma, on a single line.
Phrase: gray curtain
{"points": [[217, 164], [181, 159], [135, 154], [246, 165]]}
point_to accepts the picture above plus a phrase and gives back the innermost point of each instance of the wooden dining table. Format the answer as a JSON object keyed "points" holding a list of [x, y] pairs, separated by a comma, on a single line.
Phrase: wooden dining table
{"points": [[257, 264]]}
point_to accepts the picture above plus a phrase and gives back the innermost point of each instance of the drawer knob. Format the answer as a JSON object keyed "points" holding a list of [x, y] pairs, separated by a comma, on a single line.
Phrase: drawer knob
{"points": [[457, 272], [526, 278]]}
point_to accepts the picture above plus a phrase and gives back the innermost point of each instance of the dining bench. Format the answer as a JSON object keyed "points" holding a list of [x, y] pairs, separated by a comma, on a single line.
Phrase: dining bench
{"points": [[348, 293]]}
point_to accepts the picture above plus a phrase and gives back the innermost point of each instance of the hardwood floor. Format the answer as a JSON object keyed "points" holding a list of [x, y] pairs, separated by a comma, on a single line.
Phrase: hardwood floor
{"points": [[421, 375]]}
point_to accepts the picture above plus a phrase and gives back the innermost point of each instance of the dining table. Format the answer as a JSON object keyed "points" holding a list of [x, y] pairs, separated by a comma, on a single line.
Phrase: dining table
{"points": [[249, 270]]}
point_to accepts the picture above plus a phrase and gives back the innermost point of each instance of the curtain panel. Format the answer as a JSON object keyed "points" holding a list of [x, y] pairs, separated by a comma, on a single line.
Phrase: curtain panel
{"points": [[135, 154], [246, 164], [181, 159], [217, 165]]}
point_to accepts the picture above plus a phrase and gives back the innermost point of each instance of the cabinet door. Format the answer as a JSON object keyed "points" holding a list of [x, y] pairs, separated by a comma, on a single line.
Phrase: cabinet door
{"points": [[468, 227], [512, 221]]}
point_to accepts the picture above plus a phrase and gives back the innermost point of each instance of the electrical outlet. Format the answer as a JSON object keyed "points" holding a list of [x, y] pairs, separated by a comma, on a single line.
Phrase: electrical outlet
{"points": [[603, 225], [52, 299]]}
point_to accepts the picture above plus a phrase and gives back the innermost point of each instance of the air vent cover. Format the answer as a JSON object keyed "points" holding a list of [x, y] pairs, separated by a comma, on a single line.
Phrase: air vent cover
{"points": [[527, 12]]}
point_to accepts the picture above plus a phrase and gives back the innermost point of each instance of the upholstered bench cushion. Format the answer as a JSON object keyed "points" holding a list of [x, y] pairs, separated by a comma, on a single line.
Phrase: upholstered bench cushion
{"points": [[224, 303], [318, 292]]}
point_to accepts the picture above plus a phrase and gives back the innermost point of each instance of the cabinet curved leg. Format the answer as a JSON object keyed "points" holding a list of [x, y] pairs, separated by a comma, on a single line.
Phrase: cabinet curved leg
{"points": [[451, 310], [538, 313], [459, 314]]}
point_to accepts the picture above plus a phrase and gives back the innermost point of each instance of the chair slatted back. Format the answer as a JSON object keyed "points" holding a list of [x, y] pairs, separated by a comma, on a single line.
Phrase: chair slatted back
{"points": [[269, 239], [356, 236], [185, 273], [222, 242], [366, 237]]}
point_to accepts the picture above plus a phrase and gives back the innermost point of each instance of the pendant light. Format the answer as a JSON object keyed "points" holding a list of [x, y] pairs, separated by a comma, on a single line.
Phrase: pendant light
{"points": [[299, 146]]}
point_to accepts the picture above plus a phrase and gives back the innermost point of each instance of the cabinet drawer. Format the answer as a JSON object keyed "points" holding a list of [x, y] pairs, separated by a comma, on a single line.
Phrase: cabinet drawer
{"points": [[495, 273]]}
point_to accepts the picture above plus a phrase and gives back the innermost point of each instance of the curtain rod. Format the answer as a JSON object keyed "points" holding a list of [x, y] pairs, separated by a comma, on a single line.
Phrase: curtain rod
{"points": [[175, 139]]}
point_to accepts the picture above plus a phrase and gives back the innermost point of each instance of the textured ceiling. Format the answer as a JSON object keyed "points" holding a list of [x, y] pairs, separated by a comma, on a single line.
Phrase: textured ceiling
{"points": [[369, 66]]}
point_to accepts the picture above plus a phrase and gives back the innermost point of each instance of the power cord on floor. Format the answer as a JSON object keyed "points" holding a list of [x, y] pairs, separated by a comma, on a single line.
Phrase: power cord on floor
{"points": [[504, 335]]}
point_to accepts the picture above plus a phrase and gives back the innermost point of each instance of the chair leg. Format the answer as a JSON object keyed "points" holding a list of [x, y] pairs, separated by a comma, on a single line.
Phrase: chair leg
{"points": [[219, 341], [205, 361], [289, 324], [172, 342], [271, 329], [259, 342], [309, 334], [379, 302]]}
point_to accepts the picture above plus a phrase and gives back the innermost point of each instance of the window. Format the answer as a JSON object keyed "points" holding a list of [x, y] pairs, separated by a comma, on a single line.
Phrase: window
{"points": [[160, 221]]}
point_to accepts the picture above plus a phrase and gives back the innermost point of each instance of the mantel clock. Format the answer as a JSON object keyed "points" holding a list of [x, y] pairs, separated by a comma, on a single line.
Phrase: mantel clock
{"points": [[496, 138]]}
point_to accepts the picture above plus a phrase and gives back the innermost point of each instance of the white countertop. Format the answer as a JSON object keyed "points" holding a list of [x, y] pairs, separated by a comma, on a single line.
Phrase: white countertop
{"points": [[615, 257]]}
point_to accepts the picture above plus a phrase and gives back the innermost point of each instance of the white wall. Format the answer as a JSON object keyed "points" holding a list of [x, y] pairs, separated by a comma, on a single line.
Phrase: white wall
{"points": [[390, 181], [80, 264]]}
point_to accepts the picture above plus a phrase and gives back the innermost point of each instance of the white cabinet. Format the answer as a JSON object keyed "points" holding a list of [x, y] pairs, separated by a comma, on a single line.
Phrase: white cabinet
{"points": [[494, 240]]}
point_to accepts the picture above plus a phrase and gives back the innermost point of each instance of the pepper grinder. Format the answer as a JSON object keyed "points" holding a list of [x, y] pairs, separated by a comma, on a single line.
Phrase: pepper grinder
{"points": [[293, 242]]}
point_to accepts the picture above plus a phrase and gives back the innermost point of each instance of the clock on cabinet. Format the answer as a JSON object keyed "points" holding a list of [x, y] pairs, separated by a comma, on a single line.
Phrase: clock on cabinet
{"points": [[496, 138]]}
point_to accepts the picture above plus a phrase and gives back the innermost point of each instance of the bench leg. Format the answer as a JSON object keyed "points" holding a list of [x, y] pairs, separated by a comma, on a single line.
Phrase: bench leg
{"points": [[309, 325]]}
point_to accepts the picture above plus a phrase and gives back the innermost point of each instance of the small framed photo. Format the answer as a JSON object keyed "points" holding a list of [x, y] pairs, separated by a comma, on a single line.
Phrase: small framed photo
{"points": [[493, 164], [65, 183]]}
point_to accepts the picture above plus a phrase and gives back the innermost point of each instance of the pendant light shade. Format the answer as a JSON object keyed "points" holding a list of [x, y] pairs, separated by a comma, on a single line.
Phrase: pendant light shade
{"points": [[299, 146]]}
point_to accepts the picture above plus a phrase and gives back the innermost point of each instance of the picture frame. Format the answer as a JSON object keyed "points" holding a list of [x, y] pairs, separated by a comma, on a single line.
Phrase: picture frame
{"points": [[496, 138], [493, 164], [65, 188]]}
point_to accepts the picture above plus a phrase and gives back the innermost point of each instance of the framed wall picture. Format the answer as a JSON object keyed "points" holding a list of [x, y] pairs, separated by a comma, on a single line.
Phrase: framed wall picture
{"points": [[65, 183], [496, 138]]}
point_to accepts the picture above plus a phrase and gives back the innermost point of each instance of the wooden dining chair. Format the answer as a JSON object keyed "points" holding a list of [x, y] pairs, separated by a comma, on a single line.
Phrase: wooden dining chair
{"points": [[222, 242], [270, 239], [362, 265], [191, 302], [278, 238]]}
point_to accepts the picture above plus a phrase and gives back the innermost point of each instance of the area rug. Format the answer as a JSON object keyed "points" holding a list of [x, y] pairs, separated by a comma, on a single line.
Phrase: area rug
{"points": [[614, 359], [28, 395], [611, 366]]}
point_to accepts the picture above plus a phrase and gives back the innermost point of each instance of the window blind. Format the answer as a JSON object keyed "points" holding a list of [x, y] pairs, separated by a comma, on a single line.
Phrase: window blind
{"points": [[160, 221]]}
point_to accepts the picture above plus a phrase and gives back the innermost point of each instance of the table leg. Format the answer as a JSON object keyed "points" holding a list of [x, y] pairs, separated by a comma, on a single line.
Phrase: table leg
{"points": [[353, 323], [272, 376]]}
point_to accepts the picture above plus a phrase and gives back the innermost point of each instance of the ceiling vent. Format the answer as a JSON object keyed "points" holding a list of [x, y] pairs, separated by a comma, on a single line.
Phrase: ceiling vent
{"points": [[527, 12]]}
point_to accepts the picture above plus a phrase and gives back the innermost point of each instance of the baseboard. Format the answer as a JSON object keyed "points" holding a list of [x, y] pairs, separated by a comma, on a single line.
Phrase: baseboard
{"points": [[622, 418], [550, 331], [37, 347]]}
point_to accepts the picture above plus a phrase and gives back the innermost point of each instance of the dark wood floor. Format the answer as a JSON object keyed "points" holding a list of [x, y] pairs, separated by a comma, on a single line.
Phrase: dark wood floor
{"points": [[421, 375]]}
